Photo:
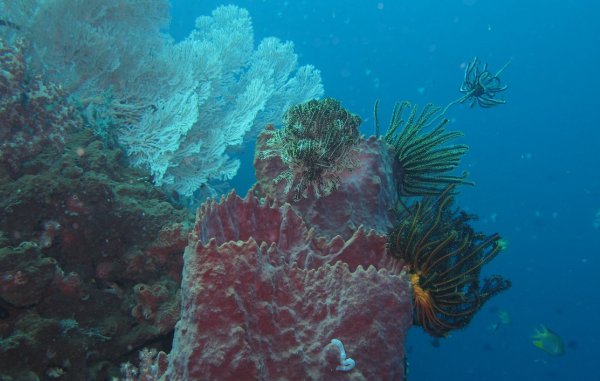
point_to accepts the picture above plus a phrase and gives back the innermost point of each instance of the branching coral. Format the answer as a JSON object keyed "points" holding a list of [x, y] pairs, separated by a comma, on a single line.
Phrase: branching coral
{"points": [[423, 159], [318, 141], [444, 256]]}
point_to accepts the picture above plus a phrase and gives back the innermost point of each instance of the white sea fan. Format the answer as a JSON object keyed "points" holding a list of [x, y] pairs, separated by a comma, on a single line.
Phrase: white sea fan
{"points": [[178, 106]]}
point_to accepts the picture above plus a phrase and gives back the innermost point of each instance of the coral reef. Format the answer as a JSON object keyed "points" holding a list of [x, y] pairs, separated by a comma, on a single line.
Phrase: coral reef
{"points": [[79, 235], [159, 305], [318, 142], [177, 108], [33, 110], [91, 252], [444, 257], [152, 365], [26, 275], [264, 295]]}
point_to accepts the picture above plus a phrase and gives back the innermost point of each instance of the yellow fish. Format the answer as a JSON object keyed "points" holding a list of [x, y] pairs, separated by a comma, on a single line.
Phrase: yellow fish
{"points": [[549, 342]]}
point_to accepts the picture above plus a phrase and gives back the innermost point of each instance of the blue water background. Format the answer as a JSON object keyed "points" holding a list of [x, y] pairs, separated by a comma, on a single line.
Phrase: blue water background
{"points": [[535, 160]]}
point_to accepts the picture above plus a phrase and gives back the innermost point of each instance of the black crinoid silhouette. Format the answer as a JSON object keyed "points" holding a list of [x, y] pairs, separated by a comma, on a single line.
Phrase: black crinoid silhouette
{"points": [[480, 86], [444, 256], [424, 162]]}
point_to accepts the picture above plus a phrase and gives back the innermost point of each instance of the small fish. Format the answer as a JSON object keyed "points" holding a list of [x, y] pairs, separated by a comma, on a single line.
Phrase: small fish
{"points": [[505, 317], [596, 222], [549, 342]]}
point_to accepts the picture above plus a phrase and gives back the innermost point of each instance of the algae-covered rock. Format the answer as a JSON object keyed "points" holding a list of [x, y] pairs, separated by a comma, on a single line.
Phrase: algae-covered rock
{"points": [[78, 230]]}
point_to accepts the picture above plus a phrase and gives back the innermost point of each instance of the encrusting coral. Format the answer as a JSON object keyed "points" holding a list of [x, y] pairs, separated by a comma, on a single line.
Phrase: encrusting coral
{"points": [[81, 236], [318, 142], [34, 111]]}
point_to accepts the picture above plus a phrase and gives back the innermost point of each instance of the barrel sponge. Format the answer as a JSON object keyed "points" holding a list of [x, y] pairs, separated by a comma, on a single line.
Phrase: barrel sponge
{"points": [[261, 295]]}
